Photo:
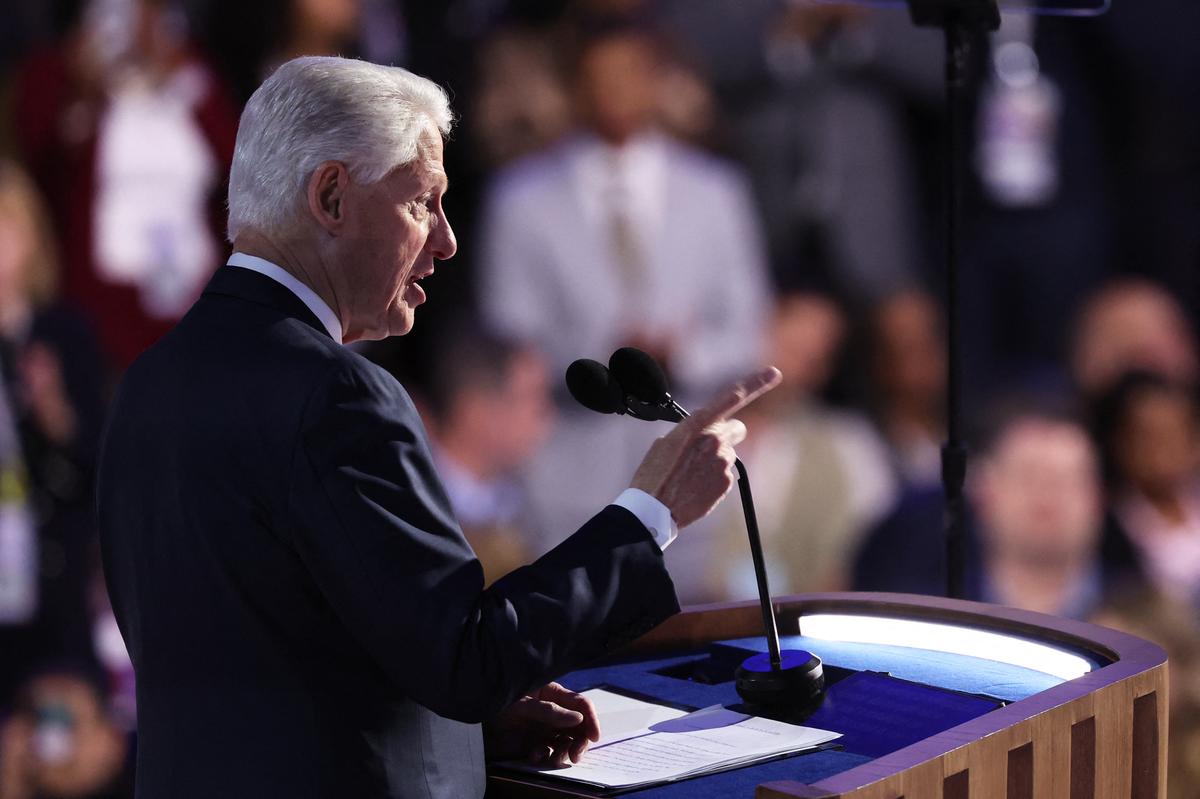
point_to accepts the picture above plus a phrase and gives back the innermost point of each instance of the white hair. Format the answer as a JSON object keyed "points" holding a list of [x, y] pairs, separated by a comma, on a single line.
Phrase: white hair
{"points": [[317, 109]]}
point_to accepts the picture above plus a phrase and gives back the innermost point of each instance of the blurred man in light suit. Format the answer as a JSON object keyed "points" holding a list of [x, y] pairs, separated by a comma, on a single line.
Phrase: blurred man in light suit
{"points": [[304, 615], [618, 236]]}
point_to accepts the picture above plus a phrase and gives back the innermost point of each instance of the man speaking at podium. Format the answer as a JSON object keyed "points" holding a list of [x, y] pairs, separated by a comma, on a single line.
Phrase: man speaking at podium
{"points": [[304, 615]]}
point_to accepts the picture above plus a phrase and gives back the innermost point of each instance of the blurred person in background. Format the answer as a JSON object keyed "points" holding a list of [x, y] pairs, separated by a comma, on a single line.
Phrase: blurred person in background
{"points": [[621, 236], [1149, 429], [129, 134], [829, 155], [645, 228], [906, 370], [1132, 324], [522, 101], [823, 102], [52, 381], [60, 743], [1037, 495], [523, 98], [821, 475], [1037, 534], [247, 41], [488, 409]]}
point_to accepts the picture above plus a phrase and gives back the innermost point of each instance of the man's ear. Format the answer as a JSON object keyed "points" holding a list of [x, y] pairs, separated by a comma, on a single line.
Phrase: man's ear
{"points": [[326, 194]]}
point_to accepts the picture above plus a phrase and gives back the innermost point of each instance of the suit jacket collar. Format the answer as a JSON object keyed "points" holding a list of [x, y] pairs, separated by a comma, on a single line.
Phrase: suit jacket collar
{"points": [[246, 284]]}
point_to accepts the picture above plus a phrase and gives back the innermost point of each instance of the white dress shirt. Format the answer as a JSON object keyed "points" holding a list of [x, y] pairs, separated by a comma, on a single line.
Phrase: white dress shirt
{"points": [[649, 511]]}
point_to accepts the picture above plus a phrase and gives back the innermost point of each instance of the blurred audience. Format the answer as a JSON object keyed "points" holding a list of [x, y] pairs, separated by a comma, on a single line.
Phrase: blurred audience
{"points": [[821, 102], [829, 154], [488, 409], [1132, 324], [522, 102], [53, 381], [621, 235], [248, 40], [821, 475], [139, 225], [642, 229], [1038, 536], [60, 744], [906, 369], [1149, 429], [1037, 497]]}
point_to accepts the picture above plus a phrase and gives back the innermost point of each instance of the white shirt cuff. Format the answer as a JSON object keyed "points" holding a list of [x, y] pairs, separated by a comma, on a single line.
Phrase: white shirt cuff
{"points": [[650, 512]]}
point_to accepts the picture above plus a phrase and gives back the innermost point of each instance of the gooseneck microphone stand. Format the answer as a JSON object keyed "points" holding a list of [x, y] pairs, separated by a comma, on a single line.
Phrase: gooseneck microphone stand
{"points": [[770, 628], [962, 21], [760, 569]]}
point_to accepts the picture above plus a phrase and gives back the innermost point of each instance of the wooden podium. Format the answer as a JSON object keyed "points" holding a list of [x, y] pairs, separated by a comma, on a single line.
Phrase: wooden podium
{"points": [[1100, 735]]}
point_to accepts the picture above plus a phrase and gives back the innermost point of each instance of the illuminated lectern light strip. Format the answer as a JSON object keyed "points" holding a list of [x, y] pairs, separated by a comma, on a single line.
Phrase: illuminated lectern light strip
{"points": [[945, 638]]}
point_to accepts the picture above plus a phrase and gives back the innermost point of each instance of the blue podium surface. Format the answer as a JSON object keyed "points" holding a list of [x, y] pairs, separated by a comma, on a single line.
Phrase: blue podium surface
{"points": [[881, 698]]}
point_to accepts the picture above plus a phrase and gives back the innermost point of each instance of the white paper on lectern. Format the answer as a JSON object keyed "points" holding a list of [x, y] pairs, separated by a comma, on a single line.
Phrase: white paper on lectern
{"points": [[707, 740], [623, 716]]}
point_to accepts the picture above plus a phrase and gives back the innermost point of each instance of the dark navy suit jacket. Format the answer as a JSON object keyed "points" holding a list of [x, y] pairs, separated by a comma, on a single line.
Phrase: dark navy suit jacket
{"points": [[304, 615]]}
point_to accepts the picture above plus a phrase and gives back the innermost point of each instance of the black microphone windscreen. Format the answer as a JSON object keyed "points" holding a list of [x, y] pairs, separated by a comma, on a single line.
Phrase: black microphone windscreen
{"points": [[593, 387], [639, 374]]}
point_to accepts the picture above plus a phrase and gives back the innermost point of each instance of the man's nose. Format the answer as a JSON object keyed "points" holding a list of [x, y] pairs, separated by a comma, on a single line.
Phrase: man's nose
{"points": [[442, 243]]}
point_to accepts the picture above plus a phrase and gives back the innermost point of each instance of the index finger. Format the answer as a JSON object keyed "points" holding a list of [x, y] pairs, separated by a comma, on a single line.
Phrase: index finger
{"points": [[736, 397]]}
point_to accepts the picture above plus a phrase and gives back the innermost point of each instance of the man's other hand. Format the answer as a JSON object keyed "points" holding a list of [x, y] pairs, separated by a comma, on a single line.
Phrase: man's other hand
{"points": [[690, 469], [549, 727]]}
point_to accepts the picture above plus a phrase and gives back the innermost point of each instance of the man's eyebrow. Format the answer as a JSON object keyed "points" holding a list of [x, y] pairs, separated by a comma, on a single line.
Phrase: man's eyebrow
{"points": [[433, 177]]}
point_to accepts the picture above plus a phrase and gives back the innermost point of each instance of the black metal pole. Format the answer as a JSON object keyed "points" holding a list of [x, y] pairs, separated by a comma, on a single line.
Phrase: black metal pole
{"points": [[954, 452]]}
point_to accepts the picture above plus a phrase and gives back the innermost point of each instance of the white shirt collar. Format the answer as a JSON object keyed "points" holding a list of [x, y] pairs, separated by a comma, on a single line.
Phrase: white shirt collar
{"points": [[307, 296]]}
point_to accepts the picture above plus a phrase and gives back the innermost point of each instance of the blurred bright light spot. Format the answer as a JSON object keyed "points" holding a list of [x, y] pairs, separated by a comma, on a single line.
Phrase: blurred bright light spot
{"points": [[948, 638]]}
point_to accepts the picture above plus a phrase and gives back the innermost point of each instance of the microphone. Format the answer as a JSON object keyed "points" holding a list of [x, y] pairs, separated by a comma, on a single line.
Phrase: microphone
{"points": [[594, 387], [641, 376], [789, 683]]}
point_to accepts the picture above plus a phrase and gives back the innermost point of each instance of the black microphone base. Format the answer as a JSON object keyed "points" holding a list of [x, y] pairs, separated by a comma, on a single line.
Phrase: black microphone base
{"points": [[792, 691]]}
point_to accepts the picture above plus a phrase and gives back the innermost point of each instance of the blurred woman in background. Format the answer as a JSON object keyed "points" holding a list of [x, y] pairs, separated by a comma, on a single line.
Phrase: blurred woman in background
{"points": [[1149, 427], [907, 383], [51, 409], [128, 134]]}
